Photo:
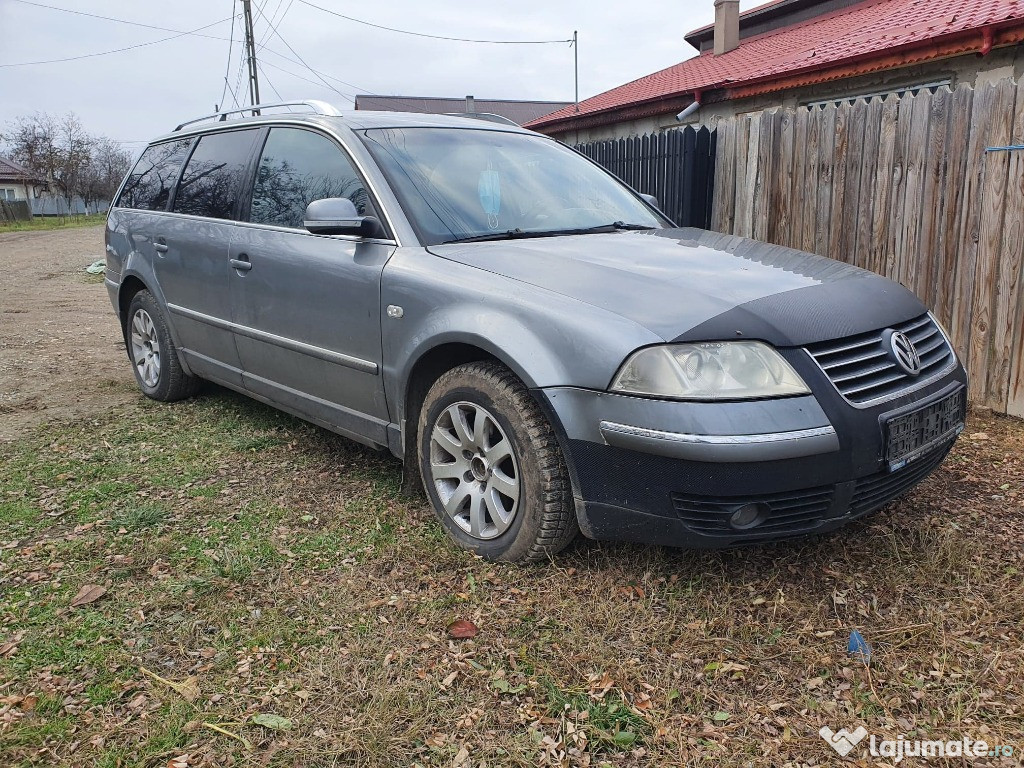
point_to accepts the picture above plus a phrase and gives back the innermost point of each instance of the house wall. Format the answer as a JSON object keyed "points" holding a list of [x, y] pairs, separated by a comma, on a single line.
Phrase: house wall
{"points": [[15, 190], [970, 69]]}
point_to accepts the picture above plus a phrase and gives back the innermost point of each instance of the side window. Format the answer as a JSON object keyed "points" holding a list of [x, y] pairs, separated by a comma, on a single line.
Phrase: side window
{"points": [[149, 184], [214, 175], [298, 167]]}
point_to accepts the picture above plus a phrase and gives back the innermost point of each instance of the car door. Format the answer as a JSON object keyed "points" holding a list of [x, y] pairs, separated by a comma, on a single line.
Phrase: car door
{"points": [[193, 270], [306, 307]]}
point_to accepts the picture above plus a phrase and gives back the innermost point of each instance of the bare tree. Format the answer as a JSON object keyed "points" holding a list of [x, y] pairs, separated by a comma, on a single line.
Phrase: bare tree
{"points": [[108, 164], [61, 150]]}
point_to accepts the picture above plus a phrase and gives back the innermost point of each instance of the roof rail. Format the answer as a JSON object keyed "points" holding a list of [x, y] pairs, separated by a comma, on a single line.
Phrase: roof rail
{"points": [[316, 107]]}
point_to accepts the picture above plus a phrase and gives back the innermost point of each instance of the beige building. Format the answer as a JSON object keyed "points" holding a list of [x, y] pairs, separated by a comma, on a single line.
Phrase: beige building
{"points": [[18, 182]]}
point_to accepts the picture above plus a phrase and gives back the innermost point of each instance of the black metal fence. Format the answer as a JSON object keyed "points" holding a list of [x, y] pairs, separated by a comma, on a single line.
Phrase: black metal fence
{"points": [[676, 166]]}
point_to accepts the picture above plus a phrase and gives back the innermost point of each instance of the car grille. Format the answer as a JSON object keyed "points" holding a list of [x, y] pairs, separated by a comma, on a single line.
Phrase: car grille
{"points": [[788, 513], [875, 491], [862, 370]]}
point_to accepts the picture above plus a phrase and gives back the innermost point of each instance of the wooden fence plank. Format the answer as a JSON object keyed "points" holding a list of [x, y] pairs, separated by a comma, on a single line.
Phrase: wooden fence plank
{"points": [[840, 154], [910, 257], [826, 149], [932, 211], [846, 241], [797, 190], [865, 203], [809, 193], [762, 213], [993, 204], [779, 197], [894, 240], [725, 176], [970, 222], [953, 193], [1006, 318], [881, 211]]}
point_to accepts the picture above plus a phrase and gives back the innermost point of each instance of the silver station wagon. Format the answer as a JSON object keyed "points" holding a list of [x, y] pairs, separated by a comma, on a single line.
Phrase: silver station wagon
{"points": [[542, 348]]}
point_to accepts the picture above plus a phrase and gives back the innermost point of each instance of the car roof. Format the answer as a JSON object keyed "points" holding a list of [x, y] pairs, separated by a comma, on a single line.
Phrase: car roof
{"points": [[354, 120]]}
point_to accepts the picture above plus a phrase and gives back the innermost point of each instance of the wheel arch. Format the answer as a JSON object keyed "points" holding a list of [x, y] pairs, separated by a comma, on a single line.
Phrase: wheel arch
{"points": [[423, 371]]}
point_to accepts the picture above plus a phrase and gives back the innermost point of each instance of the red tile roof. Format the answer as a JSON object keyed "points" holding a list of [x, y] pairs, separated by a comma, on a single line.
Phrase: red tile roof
{"points": [[871, 30], [15, 172]]}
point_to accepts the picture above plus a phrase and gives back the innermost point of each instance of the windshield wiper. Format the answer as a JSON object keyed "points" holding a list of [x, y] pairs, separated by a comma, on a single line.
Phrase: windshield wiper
{"points": [[517, 233], [508, 234]]}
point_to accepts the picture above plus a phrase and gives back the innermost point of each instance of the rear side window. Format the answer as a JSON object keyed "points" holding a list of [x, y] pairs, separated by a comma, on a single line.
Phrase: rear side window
{"points": [[213, 178], [148, 187], [298, 167]]}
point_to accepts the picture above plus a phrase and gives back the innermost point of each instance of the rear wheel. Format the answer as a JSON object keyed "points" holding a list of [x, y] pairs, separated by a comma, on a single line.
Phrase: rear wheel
{"points": [[491, 466], [158, 371]]}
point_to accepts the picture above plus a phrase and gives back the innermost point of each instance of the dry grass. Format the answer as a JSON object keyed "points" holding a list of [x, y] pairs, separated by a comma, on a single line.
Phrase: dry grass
{"points": [[277, 566]]}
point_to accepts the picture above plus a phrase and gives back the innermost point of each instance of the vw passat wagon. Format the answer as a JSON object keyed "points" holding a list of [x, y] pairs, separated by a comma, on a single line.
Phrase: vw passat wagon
{"points": [[535, 340]]}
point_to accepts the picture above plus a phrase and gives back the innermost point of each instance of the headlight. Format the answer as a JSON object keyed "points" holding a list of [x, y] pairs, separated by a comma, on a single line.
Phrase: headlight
{"points": [[727, 370]]}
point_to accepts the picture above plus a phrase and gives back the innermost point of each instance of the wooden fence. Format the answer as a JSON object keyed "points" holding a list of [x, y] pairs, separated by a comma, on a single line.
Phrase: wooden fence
{"points": [[14, 210], [914, 188], [676, 166]]}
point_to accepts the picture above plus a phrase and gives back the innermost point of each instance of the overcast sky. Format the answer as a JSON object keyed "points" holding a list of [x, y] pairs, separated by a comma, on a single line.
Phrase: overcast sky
{"points": [[137, 94]]}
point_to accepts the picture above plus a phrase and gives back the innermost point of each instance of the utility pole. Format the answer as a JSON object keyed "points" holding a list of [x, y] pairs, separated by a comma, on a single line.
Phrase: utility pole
{"points": [[250, 47], [576, 66]]}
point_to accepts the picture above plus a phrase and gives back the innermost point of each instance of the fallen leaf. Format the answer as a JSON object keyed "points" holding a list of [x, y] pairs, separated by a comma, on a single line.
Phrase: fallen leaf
{"points": [[462, 629], [89, 593], [273, 722], [979, 436], [624, 738], [720, 716], [8, 649]]}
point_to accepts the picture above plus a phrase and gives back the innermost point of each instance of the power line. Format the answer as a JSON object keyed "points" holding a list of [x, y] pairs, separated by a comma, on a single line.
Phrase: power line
{"points": [[274, 22], [432, 37], [115, 50], [298, 56], [266, 77], [227, 66], [349, 96], [119, 21]]}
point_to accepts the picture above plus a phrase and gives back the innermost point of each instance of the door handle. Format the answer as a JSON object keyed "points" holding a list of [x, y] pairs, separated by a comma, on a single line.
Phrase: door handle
{"points": [[160, 245], [242, 263]]}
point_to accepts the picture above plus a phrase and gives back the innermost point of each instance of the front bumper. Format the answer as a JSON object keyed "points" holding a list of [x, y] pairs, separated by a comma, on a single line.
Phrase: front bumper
{"points": [[672, 473]]}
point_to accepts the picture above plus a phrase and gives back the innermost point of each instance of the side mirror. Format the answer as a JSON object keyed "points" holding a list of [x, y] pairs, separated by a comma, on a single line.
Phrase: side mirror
{"points": [[651, 200], [338, 216]]}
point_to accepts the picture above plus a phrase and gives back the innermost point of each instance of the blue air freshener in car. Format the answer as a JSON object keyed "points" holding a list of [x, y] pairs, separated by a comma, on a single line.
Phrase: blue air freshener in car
{"points": [[489, 190]]}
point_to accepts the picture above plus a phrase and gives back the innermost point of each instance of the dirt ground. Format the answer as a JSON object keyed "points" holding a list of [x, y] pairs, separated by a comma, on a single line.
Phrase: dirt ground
{"points": [[58, 334]]}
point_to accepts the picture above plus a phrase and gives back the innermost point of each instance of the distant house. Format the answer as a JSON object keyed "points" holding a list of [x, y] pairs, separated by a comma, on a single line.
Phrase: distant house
{"points": [[519, 112], [18, 182], [805, 52]]}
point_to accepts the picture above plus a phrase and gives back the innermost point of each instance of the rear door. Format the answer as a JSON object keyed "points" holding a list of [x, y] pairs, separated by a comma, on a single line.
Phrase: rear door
{"points": [[194, 269], [307, 307]]}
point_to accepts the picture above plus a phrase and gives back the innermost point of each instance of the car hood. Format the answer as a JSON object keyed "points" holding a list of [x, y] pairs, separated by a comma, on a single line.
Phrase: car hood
{"points": [[692, 284]]}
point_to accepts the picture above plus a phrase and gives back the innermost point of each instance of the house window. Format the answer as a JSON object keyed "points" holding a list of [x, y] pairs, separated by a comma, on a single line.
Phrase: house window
{"points": [[7, 194], [932, 86]]}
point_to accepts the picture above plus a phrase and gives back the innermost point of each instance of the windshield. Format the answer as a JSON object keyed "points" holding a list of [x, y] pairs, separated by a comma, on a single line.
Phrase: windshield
{"points": [[459, 184]]}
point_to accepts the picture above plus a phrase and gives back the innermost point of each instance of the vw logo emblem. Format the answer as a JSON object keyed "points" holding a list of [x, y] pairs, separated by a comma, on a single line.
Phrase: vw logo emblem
{"points": [[904, 353]]}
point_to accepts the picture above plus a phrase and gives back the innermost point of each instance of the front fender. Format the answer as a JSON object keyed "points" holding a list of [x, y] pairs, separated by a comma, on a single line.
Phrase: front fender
{"points": [[545, 338]]}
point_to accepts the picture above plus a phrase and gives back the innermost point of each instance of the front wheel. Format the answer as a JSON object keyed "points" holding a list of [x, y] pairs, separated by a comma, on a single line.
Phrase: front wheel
{"points": [[158, 371], [491, 466]]}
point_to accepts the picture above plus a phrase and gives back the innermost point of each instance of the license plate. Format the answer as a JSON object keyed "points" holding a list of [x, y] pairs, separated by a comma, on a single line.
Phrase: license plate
{"points": [[914, 434]]}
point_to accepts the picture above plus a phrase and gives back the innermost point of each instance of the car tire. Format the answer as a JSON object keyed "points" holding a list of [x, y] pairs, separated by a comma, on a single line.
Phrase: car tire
{"points": [[484, 442], [158, 371]]}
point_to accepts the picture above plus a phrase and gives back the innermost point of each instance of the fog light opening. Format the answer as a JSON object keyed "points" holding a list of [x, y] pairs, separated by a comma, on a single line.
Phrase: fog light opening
{"points": [[748, 516]]}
